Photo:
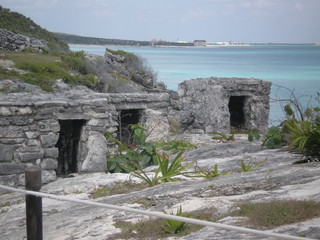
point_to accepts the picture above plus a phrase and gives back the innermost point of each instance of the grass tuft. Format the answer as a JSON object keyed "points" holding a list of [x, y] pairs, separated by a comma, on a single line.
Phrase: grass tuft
{"points": [[277, 213], [118, 188]]}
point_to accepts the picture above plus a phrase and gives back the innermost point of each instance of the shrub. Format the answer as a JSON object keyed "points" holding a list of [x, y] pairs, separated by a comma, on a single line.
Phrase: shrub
{"points": [[305, 137], [275, 138], [132, 155]]}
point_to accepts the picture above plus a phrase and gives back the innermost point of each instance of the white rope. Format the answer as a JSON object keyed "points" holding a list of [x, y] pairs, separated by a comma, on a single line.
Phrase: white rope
{"points": [[155, 214]]}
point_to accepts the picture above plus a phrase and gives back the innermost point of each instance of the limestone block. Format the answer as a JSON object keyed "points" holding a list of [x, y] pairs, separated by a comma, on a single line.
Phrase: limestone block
{"points": [[9, 180], [32, 134], [97, 122], [6, 152], [49, 140], [48, 126], [12, 132], [32, 142], [48, 176], [27, 154], [95, 161], [5, 111], [15, 141], [49, 164], [51, 152], [11, 168]]}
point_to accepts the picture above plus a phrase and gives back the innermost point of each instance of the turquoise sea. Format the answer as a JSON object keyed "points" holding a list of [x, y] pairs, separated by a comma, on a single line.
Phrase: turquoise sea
{"points": [[296, 67]]}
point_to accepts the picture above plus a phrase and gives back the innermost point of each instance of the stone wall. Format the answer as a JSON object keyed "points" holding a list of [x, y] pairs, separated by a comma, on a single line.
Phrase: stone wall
{"points": [[205, 104], [31, 129], [17, 42]]}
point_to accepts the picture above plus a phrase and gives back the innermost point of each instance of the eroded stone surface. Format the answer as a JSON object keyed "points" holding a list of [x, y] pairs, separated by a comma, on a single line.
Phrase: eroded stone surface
{"points": [[275, 179]]}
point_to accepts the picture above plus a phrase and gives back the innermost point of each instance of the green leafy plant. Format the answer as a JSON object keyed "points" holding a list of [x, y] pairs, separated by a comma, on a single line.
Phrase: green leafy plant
{"points": [[305, 137], [275, 138], [253, 134], [210, 173], [132, 155], [249, 166], [224, 137], [176, 146], [174, 226], [166, 170]]}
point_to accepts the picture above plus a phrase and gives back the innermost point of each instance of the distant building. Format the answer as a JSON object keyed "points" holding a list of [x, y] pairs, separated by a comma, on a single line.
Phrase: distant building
{"points": [[199, 43]]}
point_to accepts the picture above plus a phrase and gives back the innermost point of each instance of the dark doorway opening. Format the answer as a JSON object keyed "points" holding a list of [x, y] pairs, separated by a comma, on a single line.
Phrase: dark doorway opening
{"points": [[236, 109], [127, 117], [68, 145]]}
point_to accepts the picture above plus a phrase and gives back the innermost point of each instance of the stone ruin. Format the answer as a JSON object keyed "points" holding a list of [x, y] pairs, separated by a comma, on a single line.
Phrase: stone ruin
{"points": [[63, 133], [220, 104], [17, 42]]}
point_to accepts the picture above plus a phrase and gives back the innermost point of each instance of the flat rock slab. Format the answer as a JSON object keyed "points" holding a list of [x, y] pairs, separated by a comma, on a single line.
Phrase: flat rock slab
{"points": [[276, 178]]}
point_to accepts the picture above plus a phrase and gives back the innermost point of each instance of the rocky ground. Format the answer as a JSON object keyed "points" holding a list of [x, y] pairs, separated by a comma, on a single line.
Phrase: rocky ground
{"points": [[277, 178]]}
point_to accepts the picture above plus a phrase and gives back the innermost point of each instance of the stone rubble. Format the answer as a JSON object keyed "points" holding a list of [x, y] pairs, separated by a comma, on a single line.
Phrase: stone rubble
{"points": [[17, 42]]}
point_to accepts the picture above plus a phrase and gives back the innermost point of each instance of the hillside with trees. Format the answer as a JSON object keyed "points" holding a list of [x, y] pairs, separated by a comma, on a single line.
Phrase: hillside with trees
{"points": [[18, 23]]}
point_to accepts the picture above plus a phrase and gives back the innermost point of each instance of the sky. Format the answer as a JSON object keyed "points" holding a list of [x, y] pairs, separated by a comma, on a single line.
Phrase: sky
{"points": [[249, 21]]}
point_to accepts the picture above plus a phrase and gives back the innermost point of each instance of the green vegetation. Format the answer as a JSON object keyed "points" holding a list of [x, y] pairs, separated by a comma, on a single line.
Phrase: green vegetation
{"points": [[176, 146], [155, 228], [300, 129], [253, 134], [167, 170], [223, 137], [174, 226], [17, 23], [75, 39], [249, 166], [207, 173], [135, 154], [277, 213], [117, 188], [275, 138], [44, 69], [305, 134]]}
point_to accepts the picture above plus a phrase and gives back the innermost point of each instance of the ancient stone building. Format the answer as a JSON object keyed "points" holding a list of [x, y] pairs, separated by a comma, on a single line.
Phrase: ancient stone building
{"points": [[219, 104], [65, 133]]}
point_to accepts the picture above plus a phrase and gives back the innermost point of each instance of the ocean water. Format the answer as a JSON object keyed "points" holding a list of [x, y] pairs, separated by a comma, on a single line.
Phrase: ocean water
{"points": [[296, 67]]}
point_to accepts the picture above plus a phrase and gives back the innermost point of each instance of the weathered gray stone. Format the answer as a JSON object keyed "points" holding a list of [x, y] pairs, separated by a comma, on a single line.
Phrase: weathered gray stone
{"points": [[27, 154], [49, 164], [95, 160], [51, 152], [6, 152], [217, 104], [17, 42], [11, 168], [9, 180], [49, 140], [31, 134], [48, 176], [32, 142]]}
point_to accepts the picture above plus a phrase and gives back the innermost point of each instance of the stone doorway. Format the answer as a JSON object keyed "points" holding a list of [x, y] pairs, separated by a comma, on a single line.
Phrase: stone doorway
{"points": [[237, 113], [126, 118], [68, 145]]}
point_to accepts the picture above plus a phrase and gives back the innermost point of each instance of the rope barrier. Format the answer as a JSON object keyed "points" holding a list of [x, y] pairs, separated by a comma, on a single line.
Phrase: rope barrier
{"points": [[155, 214]]}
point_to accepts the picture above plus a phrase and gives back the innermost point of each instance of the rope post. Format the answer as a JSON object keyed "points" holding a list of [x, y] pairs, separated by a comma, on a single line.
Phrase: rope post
{"points": [[33, 204]]}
